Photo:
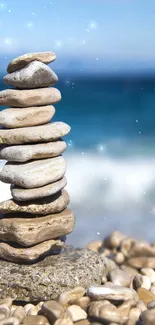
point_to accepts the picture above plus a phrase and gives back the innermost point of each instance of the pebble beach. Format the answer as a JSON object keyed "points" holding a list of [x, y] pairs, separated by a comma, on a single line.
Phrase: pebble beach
{"points": [[125, 293]]}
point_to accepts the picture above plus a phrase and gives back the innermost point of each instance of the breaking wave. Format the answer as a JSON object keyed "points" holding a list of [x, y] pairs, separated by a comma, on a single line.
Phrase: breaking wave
{"points": [[108, 193]]}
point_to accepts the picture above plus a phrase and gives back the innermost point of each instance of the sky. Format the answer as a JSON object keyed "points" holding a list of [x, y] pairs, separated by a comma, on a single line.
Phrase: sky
{"points": [[83, 33]]}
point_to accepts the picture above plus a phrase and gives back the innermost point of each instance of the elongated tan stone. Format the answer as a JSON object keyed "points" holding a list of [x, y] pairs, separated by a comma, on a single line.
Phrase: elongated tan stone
{"points": [[30, 97], [29, 231], [43, 133], [21, 194], [23, 153], [34, 174], [35, 75], [31, 116], [23, 60], [51, 204], [13, 254]]}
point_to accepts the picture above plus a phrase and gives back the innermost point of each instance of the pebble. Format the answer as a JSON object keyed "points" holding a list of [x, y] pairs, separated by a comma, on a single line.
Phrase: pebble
{"points": [[142, 281], [83, 322], [151, 304], [31, 116], [19, 313], [30, 254], [152, 289], [111, 291], [146, 282], [145, 295], [76, 313], [52, 310], [149, 272], [28, 231], [13, 308], [119, 258], [33, 311], [148, 317], [35, 320], [83, 302], [7, 302], [30, 97], [21, 194], [10, 321], [141, 305], [104, 279], [95, 245], [119, 277], [126, 245], [105, 252], [23, 60], [141, 248], [39, 305], [44, 206], [104, 312], [64, 321], [35, 75], [24, 153], [134, 316], [109, 265], [41, 133], [35, 173], [27, 307], [125, 308], [5, 311], [114, 240], [67, 296], [129, 270], [142, 262]]}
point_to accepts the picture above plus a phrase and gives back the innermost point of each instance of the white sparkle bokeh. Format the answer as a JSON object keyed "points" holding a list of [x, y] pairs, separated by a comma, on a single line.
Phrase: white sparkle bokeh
{"points": [[29, 25], [93, 25]]}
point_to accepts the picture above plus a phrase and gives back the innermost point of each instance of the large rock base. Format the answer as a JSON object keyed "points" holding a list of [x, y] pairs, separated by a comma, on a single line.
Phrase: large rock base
{"points": [[46, 279]]}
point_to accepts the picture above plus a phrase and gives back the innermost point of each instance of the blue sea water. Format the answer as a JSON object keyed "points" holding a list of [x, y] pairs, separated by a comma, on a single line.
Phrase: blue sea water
{"points": [[110, 154]]}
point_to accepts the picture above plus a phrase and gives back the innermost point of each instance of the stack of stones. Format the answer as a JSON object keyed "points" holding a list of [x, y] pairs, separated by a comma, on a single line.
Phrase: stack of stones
{"points": [[35, 221]]}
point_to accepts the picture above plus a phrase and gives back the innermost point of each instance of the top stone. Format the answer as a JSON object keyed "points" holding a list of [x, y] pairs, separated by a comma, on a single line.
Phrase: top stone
{"points": [[22, 61], [35, 75]]}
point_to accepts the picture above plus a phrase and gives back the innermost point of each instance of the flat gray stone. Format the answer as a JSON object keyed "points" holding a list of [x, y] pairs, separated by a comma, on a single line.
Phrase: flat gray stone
{"points": [[47, 279], [22, 194], [31, 254], [23, 60], [31, 116], [35, 75], [30, 97], [35, 173], [23, 153], [27, 230], [41, 133], [51, 204]]}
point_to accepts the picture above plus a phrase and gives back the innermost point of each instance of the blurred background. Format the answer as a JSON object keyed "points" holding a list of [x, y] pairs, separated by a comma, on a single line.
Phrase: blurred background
{"points": [[106, 67]]}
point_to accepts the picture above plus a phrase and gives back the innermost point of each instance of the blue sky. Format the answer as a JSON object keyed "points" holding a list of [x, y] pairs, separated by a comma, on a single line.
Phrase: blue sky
{"points": [[88, 31]]}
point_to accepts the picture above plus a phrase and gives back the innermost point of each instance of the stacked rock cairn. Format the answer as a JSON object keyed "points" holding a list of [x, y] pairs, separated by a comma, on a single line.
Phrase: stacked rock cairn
{"points": [[35, 221]]}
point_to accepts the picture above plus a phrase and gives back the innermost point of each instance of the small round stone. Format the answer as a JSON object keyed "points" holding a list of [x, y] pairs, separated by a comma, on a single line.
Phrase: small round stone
{"points": [[76, 313], [119, 277], [35, 320], [52, 310], [107, 313], [67, 296]]}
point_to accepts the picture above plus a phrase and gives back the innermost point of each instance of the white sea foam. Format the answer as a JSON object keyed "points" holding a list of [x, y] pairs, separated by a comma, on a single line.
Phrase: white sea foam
{"points": [[109, 182], [108, 193]]}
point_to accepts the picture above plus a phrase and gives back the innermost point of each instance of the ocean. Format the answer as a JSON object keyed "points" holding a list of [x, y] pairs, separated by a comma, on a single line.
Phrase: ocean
{"points": [[110, 155]]}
